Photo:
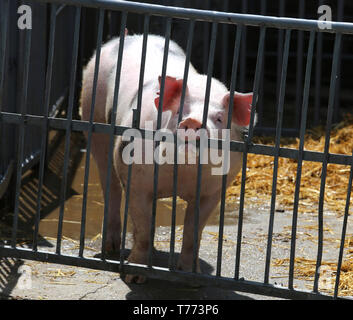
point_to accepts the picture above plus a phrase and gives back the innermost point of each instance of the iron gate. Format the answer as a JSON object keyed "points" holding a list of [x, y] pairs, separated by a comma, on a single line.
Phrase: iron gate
{"points": [[13, 67], [68, 125]]}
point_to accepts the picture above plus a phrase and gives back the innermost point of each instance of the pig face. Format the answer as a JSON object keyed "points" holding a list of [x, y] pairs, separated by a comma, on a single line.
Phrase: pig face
{"points": [[218, 109]]}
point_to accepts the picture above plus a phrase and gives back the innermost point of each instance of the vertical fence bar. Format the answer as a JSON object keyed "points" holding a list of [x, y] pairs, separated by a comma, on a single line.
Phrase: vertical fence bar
{"points": [[261, 103], [299, 76], [282, 91], [112, 130], [229, 122], [21, 136], [175, 172], [225, 32], [80, 59], [5, 5], [126, 209], [300, 155], [204, 122], [318, 73], [159, 120], [243, 55], [344, 229], [247, 142], [336, 113], [333, 82], [68, 128], [136, 124], [45, 121], [206, 38], [142, 69], [3, 47], [280, 42], [90, 130]]}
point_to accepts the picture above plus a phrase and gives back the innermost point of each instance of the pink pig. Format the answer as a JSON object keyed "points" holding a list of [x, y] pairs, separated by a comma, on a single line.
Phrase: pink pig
{"points": [[141, 189]]}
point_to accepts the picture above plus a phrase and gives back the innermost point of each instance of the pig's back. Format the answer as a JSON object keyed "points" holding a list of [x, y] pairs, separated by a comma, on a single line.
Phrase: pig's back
{"points": [[130, 72], [106, 66], [154, 59]]}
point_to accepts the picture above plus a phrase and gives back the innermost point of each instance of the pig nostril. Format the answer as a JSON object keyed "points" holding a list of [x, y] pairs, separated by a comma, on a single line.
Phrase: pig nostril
{"points": [[190, 124]]}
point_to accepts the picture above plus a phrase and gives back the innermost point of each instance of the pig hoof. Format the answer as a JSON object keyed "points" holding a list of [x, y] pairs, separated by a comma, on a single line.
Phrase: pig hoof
{"points": [[187, 267], [134, 278], [112, 246]]}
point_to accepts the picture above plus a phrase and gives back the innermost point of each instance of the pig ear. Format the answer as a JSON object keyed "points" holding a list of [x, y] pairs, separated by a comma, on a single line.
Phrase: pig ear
{"points": [[172, 94], [241, 107]]}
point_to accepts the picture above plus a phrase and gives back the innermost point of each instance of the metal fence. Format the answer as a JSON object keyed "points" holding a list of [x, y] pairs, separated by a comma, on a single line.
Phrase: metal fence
{"points": [[41, 119], [18, 93], [273, 53], [269, 84]]}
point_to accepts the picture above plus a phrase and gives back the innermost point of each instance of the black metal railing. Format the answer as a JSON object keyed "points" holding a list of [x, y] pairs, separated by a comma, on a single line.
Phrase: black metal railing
{"points": [[68, 125]]}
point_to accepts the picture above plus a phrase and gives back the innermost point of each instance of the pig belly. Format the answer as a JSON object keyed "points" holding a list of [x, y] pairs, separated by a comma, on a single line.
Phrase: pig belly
{"points": [[142, 179]]}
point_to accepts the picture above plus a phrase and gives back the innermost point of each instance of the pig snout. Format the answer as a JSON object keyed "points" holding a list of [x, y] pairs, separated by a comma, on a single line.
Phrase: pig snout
{"points": [[190, 129], [190, 123]]}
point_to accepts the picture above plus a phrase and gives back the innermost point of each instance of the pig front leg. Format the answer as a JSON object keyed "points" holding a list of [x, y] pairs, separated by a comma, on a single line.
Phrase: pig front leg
{"points": [[207, 205], [100, 150]]}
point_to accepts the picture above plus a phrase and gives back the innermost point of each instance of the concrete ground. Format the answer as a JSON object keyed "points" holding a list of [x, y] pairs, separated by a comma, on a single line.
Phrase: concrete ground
{"points": [[57, 282], [53, 281]]}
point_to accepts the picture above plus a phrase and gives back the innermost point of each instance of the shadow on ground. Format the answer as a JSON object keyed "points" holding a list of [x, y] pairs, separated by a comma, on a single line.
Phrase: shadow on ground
{"points": [[9, 275], [167, 290], [155, 289]]}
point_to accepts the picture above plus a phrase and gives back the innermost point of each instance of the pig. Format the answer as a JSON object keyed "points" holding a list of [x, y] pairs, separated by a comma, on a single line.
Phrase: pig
{"points": [[141, 186]]}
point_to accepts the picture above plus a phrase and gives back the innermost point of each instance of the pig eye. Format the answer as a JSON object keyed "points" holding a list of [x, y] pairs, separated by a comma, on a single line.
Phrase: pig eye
{"points": [[219, 117]]}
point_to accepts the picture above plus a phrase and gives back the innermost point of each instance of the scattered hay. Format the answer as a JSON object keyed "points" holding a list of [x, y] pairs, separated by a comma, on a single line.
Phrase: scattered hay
{"points": [[61, 283], [214, 237], [260, 172], [348, 244], [58, 273], [304, 269]]}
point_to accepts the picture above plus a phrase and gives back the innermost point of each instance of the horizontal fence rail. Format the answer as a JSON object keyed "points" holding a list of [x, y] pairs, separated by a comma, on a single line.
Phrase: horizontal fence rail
{"points": [[162, 273], [82, 126], [69, 124], [211, 16]]}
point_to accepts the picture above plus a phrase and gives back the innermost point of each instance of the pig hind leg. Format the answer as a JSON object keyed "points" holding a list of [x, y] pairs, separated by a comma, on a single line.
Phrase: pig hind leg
{"points": [[100, 144]]}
